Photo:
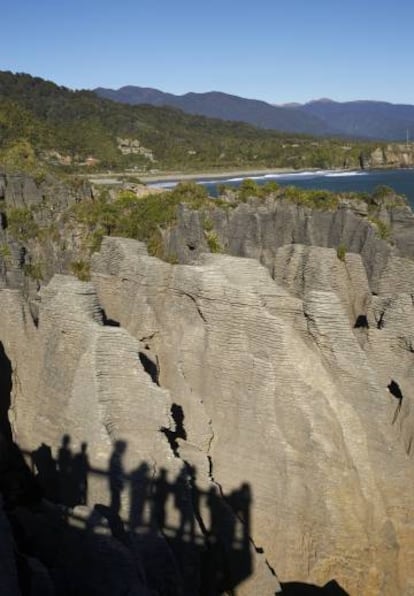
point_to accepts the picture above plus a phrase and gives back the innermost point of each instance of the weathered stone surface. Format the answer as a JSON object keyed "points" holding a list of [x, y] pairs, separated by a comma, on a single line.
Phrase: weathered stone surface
{"points": [[301, 416], [281, 395], [258, 230], [305, 268], [74, 376]]}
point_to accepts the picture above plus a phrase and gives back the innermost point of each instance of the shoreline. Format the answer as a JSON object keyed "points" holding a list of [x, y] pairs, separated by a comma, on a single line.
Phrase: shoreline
{"points": [[217, 175], [207, 176]]}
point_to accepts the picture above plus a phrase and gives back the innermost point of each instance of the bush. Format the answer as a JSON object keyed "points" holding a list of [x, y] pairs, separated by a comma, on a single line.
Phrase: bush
{"points": [[141, 218], [81, 269], [5, 252], [383, 230], [213, 242], [33, 270], [247, 189], [382, 191], [20, 223], [316, 199], [341, 251]]}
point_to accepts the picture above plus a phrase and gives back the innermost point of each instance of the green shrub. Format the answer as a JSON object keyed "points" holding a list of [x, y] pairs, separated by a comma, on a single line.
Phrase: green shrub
{"points": [[213, 242], [142, 218], [81, 269], [155, 245], [316, 199], [172, 259], [383, 230], [208, 224], [341, 251], [382, 191], [5, 252], [20, 223], [33, 270], [248, 188], [269, 188]]}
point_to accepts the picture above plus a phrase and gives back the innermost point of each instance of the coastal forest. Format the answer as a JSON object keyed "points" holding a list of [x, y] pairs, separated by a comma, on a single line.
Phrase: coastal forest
{"points": [[45, 125]]}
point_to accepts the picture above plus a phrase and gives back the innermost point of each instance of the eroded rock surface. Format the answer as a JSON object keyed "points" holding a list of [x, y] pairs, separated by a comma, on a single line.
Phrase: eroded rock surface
{"points": [[283, 399], [257, 229]]}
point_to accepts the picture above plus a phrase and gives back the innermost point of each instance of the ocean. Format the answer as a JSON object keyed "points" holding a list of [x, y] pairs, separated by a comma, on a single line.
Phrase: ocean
{"points": [[402, 181]]}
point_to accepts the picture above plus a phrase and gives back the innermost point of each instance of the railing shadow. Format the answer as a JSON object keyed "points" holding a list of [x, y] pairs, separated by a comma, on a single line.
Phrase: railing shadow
{"points": [[173, 539], [202, 536]]}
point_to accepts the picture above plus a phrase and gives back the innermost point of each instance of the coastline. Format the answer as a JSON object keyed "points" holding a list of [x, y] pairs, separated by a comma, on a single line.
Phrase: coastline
{"points": [[173, 177]]}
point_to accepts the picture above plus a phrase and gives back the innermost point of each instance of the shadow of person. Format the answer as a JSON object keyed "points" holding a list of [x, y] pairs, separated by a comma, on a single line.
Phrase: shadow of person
{"points": [[64, 463], [46, 472], [220, 541], [80, 470], [183, 503], [18, 486], [116, 476], [161, 490], [240, 501], [139, 487]]}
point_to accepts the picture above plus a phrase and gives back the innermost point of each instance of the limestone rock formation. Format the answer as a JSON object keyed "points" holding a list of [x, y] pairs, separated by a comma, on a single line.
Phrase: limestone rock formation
{"points": [[100, 385], [256, 414], [258, 229], [311, 416]]}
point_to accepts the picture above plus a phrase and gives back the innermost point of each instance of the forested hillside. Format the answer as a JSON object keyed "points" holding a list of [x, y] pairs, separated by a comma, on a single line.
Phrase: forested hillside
{"points": [[41, 122]]}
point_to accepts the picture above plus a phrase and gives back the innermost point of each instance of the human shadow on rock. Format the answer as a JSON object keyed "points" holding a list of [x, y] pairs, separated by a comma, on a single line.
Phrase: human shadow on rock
{"points": [[5, 393], [199, 538]]}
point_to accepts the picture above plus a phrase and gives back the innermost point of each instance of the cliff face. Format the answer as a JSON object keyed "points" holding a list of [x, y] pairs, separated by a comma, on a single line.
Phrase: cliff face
{"points": [[257, 229], [394, 155], [270, 390], [229, 421]]}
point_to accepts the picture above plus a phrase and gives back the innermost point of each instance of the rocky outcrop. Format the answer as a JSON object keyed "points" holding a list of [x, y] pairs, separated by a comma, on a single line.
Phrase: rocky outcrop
{"points": [[101, 386], [311, 406], [22, 190], [239, 421], [394, 155], [257, 229]]}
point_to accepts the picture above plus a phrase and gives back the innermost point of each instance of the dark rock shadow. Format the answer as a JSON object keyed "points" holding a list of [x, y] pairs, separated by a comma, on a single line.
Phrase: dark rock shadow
{"points": [[332, 588], [176, 540]]}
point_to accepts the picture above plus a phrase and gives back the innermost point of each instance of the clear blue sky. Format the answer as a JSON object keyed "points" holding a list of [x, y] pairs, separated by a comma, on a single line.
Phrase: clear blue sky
{"points": [[276, 50]]}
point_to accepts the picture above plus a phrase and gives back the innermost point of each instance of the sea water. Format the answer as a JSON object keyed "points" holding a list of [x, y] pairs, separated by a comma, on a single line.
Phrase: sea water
{"points": [[402, 181]]}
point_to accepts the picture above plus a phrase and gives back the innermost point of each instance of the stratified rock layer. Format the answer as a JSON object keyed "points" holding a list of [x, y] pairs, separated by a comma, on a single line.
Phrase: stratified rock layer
{"points": [[294, 392]]}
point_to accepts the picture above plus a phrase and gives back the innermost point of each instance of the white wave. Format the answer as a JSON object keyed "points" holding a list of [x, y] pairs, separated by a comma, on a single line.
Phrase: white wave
{"points": [[162, 184], [344, 174], [209, 181], [305, 174]]}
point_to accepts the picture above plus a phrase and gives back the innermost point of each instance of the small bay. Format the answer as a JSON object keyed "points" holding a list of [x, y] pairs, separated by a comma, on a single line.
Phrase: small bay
{"points": [[401, 180]]}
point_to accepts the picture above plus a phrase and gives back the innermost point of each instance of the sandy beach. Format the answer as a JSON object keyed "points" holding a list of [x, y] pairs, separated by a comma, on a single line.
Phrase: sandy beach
{"points": [[177, 176]]}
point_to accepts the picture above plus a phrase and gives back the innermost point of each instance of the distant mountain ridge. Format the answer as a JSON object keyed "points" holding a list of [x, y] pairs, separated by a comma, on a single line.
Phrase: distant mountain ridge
{"points": [[215, 104], [365, 119]]}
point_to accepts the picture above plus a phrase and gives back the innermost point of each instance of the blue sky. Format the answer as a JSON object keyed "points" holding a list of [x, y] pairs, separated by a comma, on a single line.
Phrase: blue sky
{"points": [[276, 50]]}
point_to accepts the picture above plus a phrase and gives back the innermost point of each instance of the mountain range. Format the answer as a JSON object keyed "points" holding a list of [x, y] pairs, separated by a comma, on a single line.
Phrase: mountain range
{"points": [[358, 119]]}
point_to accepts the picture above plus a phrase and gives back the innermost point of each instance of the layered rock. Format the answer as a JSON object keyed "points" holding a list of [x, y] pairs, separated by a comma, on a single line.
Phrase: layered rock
{"points": [[281, 392], [286, 401], [257, 229], [75, 380]]}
